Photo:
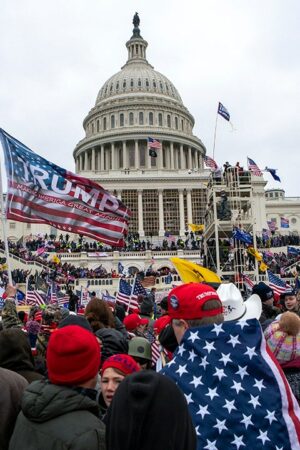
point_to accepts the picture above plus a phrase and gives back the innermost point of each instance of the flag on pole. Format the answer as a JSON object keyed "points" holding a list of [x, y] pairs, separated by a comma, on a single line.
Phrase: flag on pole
{"points": [[223, 112], [35, 298], [42, 192], [284, 223], [124, 293], [153, 145], [252, 166], [273, 173], [211, 163], [276, 283]]}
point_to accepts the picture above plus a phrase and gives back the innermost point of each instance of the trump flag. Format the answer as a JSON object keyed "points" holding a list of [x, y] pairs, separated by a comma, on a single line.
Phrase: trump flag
{"points": [[42, 192]]}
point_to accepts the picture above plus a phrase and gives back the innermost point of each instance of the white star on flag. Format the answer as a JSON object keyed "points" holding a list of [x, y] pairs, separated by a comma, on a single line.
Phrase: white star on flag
{"points": [[209, 346], [270, 416], [203, 411], [196, 381], [192, 355], [211, 445], [181, 350], [263, 436], [247, 420], [181, 370], [259, 384], [212, 393], [234, 340], [238, 441], [225, 358], [242, 324], [193, 336], [189, 398], [197, 430], [220, 425], [229, 405], [242, 372], [219, 373], [204, 362], [218, 329], [250, 352], [254, 401], [237, 386]]}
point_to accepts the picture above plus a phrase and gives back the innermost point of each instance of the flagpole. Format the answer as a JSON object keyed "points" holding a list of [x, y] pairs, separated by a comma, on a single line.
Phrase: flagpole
{"points": [[4, 222], [215, 135], [132, 289]]}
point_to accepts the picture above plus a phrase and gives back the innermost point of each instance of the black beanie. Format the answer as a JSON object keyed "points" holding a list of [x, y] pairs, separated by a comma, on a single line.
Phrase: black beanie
{"points": [[72, 319], [263, 291], [146, 307], [149, 412]]}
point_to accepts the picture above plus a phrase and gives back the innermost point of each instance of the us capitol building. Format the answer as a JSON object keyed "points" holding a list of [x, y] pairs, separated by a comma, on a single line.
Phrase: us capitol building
{"points": [[167, 192]]}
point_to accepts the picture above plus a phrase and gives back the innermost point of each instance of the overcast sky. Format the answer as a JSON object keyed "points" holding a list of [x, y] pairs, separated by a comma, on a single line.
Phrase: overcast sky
{"points": [[55, 56]]}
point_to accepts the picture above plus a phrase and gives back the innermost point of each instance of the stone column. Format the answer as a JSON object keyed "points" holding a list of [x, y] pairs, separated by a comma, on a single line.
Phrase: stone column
{"points": [[102, 158], [113, 162], [161, 213], [136, 154], [86, 160], [160, 157], [148, 159], [140, 213], [119, 194], [181, 157], [172, 155], [125, 158], [93, 159], [181, 213], [189, 206], [189, 158]]}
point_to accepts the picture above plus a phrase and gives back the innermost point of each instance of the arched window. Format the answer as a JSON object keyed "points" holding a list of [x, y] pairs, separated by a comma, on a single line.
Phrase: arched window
{"points": [[98, 126], [104, 123], [169, 120], [160, 119], [139, 82], [124, 84], [141, 118], [131, 118], [176, 123], [117, 86], [112, 121], [111, 87], [121, 120], [93, 127], [151, 118], [154, 83], [131, 82], [147, 82]]}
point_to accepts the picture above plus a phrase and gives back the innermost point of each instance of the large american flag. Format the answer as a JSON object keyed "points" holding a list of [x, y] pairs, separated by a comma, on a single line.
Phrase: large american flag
{"points": [[35, 298], [153, 143], [209, 162], [236, 392], [253, 167], [42, 192], [277, 284]]}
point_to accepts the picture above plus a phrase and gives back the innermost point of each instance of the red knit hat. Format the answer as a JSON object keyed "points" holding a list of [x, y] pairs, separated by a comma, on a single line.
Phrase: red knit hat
{"points": [[73, 356], [124, 363], [132, 321], [186, 301]]}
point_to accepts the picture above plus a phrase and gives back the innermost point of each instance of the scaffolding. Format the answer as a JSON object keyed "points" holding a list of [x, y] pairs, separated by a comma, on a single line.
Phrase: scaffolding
{"points": [[229, 206]]}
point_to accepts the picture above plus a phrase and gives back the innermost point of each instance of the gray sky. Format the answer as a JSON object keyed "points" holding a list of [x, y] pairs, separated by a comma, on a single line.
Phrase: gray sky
{"points": [[55, 56]]}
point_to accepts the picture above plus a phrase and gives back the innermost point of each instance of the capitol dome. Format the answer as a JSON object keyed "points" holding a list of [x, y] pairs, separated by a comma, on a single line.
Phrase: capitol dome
{"points": [[164, 188]]}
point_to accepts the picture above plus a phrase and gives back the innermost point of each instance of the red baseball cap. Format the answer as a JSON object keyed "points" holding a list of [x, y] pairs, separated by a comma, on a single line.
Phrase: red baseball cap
{"points": [[161, 323], [186, 301], [132, 321]]}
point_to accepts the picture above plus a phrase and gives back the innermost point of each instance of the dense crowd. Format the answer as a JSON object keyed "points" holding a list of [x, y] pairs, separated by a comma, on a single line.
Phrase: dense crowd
{"points": [[83, 378]]}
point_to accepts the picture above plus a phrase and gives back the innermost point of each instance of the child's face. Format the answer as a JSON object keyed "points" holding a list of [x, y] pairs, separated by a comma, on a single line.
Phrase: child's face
{"points": [[290, 302]]}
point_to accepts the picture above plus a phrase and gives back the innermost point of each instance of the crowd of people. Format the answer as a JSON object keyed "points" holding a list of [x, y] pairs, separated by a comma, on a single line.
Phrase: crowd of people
{"points": [[191, 372]]}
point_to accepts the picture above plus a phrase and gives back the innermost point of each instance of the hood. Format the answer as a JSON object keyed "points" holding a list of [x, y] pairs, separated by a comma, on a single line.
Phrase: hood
{"points": [[15, 351], [43, 401], [112, 342]]}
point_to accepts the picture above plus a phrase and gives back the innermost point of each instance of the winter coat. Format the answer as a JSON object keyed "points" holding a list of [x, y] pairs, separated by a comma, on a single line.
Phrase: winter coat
{"points": [[12, 387], [57, 418], [112, 342]]}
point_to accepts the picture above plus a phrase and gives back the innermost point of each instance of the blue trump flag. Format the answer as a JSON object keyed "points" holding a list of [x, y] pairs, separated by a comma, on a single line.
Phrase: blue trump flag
{"points": [[273, 173], [293, 251], [237, 394], [243, 236], [223, 112]]}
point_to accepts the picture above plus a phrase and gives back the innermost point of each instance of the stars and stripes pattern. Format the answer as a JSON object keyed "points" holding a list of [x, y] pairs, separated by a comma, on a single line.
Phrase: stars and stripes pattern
{"points": [[42, 192], [253, 167], [247, 282], [211, 163], [124, 292], [153, 143], [35, 298], [237, 395], [277, 284]]}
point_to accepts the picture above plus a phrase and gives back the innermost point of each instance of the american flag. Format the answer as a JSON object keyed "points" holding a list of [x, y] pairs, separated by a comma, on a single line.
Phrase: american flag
{"points": [[276, 283], [223, 112], [247, 282], [35, 298], [209, 162], [124, 293], [254, 168], [62, 299], [153, 143], [284, 222], [42, 192], [237, 395], [138, 289]]}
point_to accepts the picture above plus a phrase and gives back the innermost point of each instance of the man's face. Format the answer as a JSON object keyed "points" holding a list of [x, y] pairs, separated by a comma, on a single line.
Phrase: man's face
{"points": [[269, 302], [290, 302]]}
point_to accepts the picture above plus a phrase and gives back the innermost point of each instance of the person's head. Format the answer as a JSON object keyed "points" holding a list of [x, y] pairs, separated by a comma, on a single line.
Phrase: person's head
{"points": [[140, 350], [149, 412], [193, 305], [289, 322], [146, 307], [133, 323], [290, 300], [73, 357], [113, 372], [265, 293], [99, 314], [164, 305]]}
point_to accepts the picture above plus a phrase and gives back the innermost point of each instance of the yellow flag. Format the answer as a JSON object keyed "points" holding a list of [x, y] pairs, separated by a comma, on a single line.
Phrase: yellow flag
{"points": [[263, 266], [254, 253], [56, 259], [191, 272], [193, 227]]}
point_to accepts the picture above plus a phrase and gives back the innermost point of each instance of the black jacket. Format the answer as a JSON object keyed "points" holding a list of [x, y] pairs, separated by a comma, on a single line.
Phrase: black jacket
{"points": [[57, 418]]}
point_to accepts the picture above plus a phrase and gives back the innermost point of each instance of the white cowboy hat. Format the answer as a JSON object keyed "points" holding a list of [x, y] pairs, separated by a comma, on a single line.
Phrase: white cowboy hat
{"points": [[235, 308]]}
